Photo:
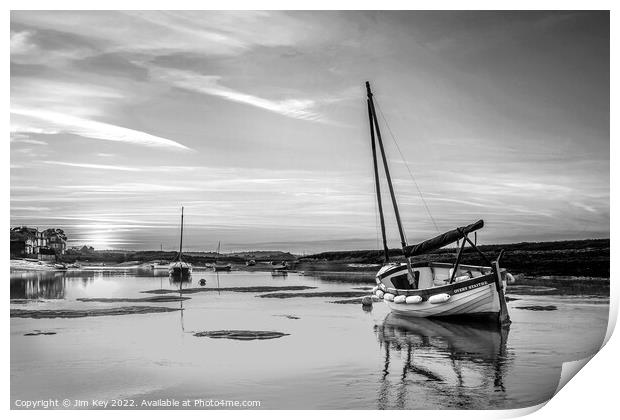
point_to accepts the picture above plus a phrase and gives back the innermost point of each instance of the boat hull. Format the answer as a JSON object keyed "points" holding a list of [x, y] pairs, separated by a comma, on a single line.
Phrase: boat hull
{"points": [[473, 297], [222, 268], [180, 270], [482, 301]]}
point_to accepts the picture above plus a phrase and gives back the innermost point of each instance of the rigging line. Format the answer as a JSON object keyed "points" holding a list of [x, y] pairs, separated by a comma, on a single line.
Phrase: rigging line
{"points": [[428, 211]]}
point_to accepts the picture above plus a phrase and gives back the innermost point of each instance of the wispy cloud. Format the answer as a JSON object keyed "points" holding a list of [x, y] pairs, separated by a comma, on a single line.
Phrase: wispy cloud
{"points": [[163, 168], [300, 108], [91, 166], [216, 33], [133, 188], [23, 138], [97, 130]]}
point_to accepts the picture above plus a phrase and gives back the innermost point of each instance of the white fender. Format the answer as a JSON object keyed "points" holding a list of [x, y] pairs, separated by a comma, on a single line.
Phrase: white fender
{"points": [[400, 299], [389, 297], [413, 299], [379, 294], [510, 278], [440, 298]]}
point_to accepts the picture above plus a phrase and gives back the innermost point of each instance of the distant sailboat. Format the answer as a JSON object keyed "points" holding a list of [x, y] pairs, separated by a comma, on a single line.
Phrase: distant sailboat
{"points": [[180, 269], [434, 289], [160, 264], [220, 267], [282, 267]]}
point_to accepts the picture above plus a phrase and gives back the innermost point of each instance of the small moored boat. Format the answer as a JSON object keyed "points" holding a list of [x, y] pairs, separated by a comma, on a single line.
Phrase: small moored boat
{"points": [[220, 266], [279, 268], [180, 269], [160, 265], [434, 289]]}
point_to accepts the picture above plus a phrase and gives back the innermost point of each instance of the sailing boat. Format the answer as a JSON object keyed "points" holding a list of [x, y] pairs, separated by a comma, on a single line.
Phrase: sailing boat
{"points": [[434, 289], [220, 267], [160, 264], [180, 269]]}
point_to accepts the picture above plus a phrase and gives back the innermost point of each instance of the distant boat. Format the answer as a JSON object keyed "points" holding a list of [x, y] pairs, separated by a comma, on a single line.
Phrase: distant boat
{"points": [[434, 289], [160, 265], [250, 263], [180, 269], [283, 266], [220, 267]]}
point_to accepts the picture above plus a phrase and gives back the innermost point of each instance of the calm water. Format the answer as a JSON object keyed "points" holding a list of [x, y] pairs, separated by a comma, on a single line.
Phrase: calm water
{"points": [[337, 356]]}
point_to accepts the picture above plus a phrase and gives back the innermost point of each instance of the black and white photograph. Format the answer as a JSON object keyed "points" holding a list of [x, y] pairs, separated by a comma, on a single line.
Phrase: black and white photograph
{"points": [[306, 209]]}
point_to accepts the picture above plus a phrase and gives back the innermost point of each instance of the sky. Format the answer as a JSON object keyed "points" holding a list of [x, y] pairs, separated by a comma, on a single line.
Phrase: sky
{"points": [[256, 123]]}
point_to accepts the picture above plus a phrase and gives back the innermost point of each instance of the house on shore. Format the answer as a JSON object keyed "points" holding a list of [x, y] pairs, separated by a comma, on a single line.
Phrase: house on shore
{"points": [[27, 242]]}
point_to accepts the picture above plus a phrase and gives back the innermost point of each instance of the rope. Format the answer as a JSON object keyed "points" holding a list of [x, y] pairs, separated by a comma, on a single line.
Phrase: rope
{"points": [[428, 211]]}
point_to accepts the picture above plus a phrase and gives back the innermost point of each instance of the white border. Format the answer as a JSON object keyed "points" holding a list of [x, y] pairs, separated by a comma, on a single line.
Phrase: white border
{"points": [[590, 395]]}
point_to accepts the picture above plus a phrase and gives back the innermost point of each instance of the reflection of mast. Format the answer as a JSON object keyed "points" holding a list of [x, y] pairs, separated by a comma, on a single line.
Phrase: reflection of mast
{"points": [[498, 381], [386, 366], [402, 393], [382, 401]]}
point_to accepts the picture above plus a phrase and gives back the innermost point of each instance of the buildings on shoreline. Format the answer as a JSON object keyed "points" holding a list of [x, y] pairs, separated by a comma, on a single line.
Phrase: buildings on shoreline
{"points": [[27, 242]]}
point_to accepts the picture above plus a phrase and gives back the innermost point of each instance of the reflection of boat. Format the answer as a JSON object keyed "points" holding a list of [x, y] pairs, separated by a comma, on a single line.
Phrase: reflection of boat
{"points": [[479, 341], [277, 273], [179, 268], [450, 357], [179, 280], [431, 289], [220, 267]]}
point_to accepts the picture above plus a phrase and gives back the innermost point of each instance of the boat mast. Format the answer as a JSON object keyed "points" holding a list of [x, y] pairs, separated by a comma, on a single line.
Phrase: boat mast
{"points": [[403, 242], [181, 244], [377, 184]]}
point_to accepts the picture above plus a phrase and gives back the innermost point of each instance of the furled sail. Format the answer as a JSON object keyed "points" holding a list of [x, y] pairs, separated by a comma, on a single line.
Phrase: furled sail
{"points": [[442, 240]]}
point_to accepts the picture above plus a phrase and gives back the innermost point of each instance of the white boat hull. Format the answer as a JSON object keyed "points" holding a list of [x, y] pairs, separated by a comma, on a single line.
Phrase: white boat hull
{"points": [[180, 269], [480, 301], [476, 295], [226, 267]]}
